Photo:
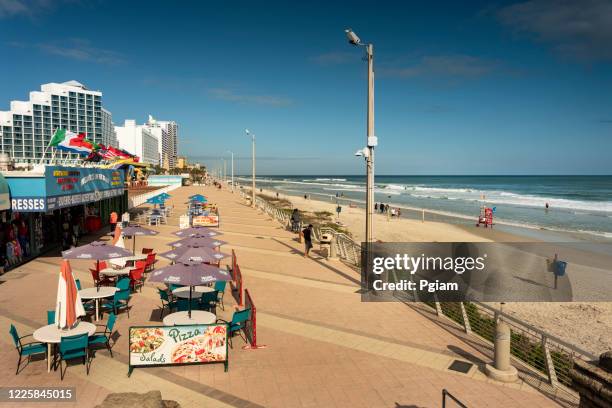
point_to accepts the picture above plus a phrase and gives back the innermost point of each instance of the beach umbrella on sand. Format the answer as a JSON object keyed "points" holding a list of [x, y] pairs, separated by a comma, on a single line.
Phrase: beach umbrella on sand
{"points": [[198, 198], [196, 232], [198, 241], [134, 230], [193, 254], [189, 275], [68, 306], [97, 250]]}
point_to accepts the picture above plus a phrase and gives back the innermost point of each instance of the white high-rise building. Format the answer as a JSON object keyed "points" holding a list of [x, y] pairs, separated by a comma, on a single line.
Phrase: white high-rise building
{"points": [[27, 128], [167, 132], [138, 140], [109, 136]]}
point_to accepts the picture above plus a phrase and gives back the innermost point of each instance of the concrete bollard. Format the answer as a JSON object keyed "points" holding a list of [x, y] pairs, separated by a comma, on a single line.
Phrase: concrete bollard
{"points": [[502, 370], [332, 248]]}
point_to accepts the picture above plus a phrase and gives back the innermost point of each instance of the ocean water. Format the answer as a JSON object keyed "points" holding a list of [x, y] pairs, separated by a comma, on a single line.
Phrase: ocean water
{"points": [[581, 204]]}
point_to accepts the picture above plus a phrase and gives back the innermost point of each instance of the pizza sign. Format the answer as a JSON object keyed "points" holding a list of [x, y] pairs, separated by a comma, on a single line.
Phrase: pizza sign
{"points": [[174, 345]]}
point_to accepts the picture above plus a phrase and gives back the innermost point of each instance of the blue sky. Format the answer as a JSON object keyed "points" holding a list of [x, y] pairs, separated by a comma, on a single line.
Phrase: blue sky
{"points": [[461, 87]]}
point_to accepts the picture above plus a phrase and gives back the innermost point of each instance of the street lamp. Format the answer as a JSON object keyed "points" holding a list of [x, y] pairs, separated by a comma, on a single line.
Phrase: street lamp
{"points": [[372, 140], [232, 153], [253, 169]]}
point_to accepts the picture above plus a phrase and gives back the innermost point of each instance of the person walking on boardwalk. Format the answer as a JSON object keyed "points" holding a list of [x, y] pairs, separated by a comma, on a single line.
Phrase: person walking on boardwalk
{"points": [[295, 220], [307, 233]]}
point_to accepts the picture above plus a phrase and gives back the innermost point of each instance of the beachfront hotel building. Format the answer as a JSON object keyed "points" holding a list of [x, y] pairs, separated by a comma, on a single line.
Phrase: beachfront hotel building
{"points": [[167, 134], [138, 140], [27, 127]]}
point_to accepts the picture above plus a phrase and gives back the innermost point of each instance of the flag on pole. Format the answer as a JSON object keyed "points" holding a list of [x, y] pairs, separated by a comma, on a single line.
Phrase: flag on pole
{"points": [[69, 141], [68, 306], [112, 153]]}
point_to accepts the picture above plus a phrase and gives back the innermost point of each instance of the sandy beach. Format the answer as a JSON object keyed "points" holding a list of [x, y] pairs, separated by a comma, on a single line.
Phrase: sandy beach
{"points": [[565, 320]]}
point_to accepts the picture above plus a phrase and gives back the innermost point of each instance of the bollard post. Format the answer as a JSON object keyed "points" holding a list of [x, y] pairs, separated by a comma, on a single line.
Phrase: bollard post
{"points": [[502, 370], [423, 216], [332, 248]]}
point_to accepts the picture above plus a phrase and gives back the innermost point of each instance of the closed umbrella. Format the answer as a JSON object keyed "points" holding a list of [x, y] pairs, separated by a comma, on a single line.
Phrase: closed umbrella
{"points": [[192, 254], [196, 231], [134, 230], [189, 275], [68, 306], [198, 241]]}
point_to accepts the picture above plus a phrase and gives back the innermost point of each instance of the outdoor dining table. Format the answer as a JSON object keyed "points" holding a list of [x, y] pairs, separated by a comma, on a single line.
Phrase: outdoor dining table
{"points": [[182, 318], [98, 293], [116, 272], [51, 335], [197, 291], [126, 259]]}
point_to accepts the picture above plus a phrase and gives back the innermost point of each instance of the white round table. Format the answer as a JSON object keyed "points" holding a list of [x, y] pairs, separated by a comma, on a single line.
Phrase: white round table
{"points": [[97, 294], [50, 334], [116, 272], [197, 291], [182, 318]]}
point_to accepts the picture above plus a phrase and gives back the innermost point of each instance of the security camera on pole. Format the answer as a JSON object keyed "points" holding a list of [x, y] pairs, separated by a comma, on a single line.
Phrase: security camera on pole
{"points": [[372, 140]]}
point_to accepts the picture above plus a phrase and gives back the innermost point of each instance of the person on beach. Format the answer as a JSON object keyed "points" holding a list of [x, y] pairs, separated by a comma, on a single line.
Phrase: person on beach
{"points": [[375, 206], [295, 220], [307, 233]]}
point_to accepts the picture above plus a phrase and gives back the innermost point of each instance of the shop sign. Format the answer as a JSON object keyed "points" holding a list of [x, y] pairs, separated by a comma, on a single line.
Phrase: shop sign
{"points": [[29, 204], [62, 180], [206, 221], [177, 345]]}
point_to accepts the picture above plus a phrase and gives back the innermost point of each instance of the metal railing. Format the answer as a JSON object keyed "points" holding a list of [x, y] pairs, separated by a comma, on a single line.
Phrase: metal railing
{"points": [[140, 199], [347, 249], [445, 394]]}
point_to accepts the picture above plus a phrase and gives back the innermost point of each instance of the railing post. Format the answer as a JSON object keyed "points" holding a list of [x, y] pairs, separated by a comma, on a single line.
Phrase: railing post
{"points": [[466, 320], [550, 366], [438, 309]]}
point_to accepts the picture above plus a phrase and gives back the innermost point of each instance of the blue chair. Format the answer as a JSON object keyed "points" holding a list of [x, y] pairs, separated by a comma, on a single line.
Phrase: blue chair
{"points": [[104, 337], [120, 300], [208, 301], [50, 316], [78, 284], [173, 286], [123, 284], [27, 349], [182, 305], [220, 288], [238, 324], [166, 303], [72, 347]]}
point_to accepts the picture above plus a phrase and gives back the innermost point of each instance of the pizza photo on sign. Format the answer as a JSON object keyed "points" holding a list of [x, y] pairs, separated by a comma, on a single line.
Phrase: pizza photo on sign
{"points": [[207, 347], [146, 340]]}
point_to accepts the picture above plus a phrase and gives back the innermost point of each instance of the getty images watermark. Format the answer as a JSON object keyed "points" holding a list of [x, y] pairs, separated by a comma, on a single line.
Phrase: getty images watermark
{"points": [[488, 272]]}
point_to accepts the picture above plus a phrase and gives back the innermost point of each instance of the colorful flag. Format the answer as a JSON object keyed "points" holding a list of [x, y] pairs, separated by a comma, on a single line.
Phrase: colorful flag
{"points": [[69, 141]]}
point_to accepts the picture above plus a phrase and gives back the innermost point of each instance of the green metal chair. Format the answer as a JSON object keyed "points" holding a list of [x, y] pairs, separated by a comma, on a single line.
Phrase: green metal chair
{"points": [[104, 337], [120, 300], [72, 347], [166, 303], [220, 288], [208, 301], [123, 284], [50, 316], [27, 349], [182, 305], [238, 324], [78, 284]]}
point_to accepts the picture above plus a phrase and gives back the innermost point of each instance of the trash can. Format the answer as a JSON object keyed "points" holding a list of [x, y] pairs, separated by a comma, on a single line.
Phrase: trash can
{"points": [[560, 268], [325, 243]]}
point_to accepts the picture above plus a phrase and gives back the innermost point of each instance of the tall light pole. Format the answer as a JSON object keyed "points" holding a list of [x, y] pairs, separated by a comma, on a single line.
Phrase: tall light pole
{"points": [[372, 140], [253, 169], [232, 153], [224, 172]]}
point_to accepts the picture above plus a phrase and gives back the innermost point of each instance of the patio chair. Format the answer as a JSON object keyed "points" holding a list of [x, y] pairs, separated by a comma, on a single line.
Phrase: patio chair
{"points": [[72, 347], [78, 284], [27, 349], [104, 337], [123, 284], [100, 281], [151, 261], [136, 279], [50, 316], [98, 266], [120, 300], [238, 324], [220, 288], [208, 301], [166, 303], [147, 250], [182, 305]]}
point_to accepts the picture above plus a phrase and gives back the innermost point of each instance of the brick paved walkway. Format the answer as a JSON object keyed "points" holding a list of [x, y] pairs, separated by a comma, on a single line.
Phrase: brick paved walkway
{"points": [[324, 347]]}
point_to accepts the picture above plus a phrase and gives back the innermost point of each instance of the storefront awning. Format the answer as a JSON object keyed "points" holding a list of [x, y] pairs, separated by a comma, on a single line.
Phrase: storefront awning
{"points": [[5, 199]]}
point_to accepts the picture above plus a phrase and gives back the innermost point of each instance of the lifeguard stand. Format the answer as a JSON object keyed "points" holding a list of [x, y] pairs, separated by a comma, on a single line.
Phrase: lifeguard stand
{"points": [[485, 217]]}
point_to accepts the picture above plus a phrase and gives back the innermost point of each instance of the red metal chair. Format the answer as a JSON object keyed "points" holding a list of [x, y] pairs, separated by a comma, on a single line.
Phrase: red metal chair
{"points": [[151, 261], [141, 264], [147, 250], [136, 278], [99, 265], [98, 281]]}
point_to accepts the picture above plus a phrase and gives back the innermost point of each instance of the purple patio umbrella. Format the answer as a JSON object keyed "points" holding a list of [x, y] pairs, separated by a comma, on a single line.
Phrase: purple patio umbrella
{"points": [[198, 241], [134, 230], [97, 251], [193, 254], [191, 275], [196, 232]]}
